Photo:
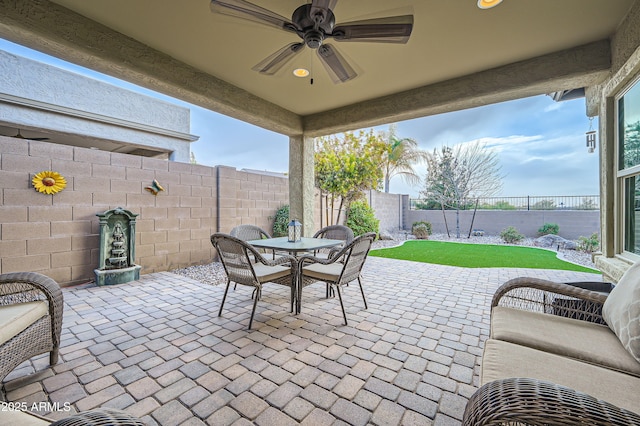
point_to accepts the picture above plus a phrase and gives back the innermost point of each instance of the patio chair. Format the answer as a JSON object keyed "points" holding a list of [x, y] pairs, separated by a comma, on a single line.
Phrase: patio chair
{"points": [[252, 232], [96, 417], [249, 232], [339, 269], [334, 232], [526, 401], [30, 318], [236, 255]]}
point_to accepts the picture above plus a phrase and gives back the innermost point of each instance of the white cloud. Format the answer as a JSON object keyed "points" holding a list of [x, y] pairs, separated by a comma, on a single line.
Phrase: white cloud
{"points": [[553, 107]]}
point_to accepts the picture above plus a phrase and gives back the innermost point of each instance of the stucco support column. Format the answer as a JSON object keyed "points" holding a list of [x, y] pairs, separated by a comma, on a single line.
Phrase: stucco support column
{"points": [[301, 182]]}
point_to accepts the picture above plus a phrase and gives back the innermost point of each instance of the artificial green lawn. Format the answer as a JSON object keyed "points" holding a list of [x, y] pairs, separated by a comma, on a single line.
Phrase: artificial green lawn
{"points": [[478, 256]]}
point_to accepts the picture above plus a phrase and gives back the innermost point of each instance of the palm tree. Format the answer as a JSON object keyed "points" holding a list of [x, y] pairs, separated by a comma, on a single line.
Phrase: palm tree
{"points": [[402, 155]]}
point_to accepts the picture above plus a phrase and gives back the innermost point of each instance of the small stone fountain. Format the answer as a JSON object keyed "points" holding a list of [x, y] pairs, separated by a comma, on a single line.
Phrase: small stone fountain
{"points": [[117, 247]]}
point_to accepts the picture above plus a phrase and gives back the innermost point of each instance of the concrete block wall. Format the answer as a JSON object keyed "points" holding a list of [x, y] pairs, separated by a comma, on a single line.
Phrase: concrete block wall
{"points": [[572, 223], [58, 235], [250, 198], [388, 208]]}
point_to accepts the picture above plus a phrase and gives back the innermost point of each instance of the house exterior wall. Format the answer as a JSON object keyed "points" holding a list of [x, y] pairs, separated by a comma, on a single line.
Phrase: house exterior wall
{"points": [[30, 99], [625, 48]]}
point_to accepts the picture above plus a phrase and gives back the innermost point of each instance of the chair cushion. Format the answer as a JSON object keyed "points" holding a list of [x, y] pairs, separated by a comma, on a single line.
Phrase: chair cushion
{"points": [[322, 272], [582, 340], [266, 273], [503, 360], [15, 318], [621, 310]]}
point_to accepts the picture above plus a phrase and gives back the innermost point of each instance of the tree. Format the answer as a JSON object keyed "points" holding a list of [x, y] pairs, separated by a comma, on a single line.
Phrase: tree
{"points": [[400, 157], [347, 165], [455, 176]]}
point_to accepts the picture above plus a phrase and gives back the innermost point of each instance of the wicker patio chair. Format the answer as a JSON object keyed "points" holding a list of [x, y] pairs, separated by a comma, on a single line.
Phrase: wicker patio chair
{"points": [[578, 300], [524, 401], [252, 232], [249, 232], [531, 401], [236, 257], [339, 269], [334, 232], [36, 293], [96, 417]]}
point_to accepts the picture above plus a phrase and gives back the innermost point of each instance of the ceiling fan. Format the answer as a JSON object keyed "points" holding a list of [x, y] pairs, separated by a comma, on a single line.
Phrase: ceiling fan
{"points": [[19, 136], [314, 23]]}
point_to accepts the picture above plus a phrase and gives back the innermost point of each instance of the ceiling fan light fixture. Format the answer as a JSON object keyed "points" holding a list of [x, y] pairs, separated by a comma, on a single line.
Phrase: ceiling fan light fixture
{"points": [[488, 4], [301, 72]]}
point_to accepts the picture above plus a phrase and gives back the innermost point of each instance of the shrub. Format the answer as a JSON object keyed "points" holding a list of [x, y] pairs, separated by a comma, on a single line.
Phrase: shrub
{"points": [[361, 218], [549, 228], [421, 229], [281, 222], [589, 244], [511, 235]]}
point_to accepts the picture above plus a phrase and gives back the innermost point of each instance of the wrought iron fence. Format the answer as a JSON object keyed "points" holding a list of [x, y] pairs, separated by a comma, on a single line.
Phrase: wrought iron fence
{"points": [[528, 202]]}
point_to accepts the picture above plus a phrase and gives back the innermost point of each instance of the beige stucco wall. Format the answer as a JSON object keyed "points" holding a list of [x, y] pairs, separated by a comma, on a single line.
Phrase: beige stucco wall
{"points": [[57, 235], [625, 48]]}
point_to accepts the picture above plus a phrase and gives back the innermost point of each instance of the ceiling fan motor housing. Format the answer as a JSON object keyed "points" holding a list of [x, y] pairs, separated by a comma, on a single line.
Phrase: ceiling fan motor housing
{"points": [[313, 28]]}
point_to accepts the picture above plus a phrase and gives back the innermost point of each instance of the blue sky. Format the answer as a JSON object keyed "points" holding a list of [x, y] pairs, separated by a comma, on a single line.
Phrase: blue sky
{"points": [[540, 143]]}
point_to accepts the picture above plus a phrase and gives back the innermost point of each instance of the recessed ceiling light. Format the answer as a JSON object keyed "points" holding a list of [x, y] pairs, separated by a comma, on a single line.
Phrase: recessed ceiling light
{"points": [[300, 72], [488, 4]]}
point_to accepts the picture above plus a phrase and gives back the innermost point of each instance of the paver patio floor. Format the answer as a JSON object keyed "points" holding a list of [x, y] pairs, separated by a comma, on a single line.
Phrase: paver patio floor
{"points": [[157, 349]]}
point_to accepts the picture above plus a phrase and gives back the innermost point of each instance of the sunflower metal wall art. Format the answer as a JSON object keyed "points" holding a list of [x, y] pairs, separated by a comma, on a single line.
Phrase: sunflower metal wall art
{"points": [[49, 182]]}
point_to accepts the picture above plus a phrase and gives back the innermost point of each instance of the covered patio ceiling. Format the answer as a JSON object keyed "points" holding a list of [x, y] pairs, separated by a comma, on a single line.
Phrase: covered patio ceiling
{"points": [[458, 56]]}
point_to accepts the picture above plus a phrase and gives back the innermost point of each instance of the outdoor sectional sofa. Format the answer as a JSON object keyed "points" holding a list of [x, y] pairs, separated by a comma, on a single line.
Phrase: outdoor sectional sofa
{"points": [[561, 354]]}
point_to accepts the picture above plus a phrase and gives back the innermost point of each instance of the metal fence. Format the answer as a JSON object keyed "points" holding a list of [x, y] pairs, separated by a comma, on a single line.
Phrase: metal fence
{"points": [[528, 202]]}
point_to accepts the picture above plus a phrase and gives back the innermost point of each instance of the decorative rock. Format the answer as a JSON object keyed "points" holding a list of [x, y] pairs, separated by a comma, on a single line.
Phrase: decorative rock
{"points": [[555, 242], [385, 236]]}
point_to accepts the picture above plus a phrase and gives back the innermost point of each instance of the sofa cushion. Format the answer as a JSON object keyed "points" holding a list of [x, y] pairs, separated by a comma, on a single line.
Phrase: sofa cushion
{"points": [[621, 310], [15, 318], [583, 340], [503, 360]]}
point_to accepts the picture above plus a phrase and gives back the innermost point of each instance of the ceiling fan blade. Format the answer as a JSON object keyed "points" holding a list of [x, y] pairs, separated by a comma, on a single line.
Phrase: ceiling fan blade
{"points": [[393, 29], [335, 64], [321, 7], [246, 10], [274, 62]]}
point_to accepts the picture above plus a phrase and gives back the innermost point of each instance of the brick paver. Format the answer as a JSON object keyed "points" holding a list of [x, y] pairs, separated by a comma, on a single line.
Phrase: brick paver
{"points": [[157, 349]]}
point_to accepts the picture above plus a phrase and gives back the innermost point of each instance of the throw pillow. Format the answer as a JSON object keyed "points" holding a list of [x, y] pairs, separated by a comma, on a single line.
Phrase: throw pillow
{"points": [[621, 310]]}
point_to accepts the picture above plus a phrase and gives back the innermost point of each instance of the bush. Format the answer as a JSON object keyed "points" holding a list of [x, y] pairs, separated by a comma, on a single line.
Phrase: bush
{"points": [[549, 228], [361, 218], [421, 229], [510, 235], [589, 244], [281, 222]]}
